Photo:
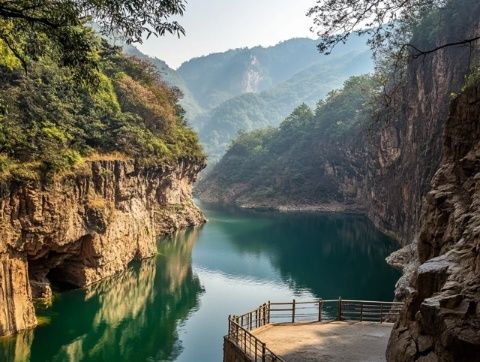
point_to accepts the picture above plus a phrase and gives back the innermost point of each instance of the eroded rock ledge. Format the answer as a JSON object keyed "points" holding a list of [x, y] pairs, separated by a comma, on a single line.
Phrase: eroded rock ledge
{"points": [[441, 321], [86, 226]]}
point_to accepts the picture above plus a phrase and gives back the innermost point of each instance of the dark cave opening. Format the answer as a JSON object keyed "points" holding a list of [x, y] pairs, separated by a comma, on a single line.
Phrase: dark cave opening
{"points": [[58, 279], [58, 270]]}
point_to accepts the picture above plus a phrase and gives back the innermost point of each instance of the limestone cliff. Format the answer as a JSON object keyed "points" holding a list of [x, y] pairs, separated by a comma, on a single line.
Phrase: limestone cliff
{"points": [[442, 317], [85, 226]]}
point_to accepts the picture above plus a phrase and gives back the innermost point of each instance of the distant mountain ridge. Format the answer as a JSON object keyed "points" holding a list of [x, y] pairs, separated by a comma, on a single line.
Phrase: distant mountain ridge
{"points": [[251, 88], [218, 77], [251, 111]]}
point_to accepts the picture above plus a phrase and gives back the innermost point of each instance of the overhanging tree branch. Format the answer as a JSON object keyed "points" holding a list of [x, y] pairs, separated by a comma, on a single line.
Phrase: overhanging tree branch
{"points": [[420, 52]]}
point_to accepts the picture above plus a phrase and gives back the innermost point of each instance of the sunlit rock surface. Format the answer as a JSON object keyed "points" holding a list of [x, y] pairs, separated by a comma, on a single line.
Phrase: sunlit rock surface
{"points": [[84, 227]]}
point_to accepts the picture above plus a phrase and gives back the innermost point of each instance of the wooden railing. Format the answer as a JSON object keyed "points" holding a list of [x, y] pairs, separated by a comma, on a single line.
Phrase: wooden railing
{"points": [[240, 327], [251, 346], [332, 309]]}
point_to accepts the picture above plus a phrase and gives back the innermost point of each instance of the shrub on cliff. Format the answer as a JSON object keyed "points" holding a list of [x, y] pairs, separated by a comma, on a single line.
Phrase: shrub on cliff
{"points": [[50, 121]]}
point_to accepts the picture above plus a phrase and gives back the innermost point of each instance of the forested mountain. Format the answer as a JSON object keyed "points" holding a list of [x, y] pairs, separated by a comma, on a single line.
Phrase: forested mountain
{"points": [[247, 89], [218, 77], [293, 164], [251, 111]]}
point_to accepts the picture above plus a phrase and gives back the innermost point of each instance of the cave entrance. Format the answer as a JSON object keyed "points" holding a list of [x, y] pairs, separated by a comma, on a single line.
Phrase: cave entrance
{"points": [[58, 279], [58, 269]]}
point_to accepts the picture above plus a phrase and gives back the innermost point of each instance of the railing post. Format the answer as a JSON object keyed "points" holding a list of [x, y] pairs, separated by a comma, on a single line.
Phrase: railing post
{"points": [[361, 312], [339, 309], [268, 311], [237, 336], [264, 314], [263, 352], [265, 311], [293, 311], [245, 340], [320, 307], [381, 313], [229, 325]]}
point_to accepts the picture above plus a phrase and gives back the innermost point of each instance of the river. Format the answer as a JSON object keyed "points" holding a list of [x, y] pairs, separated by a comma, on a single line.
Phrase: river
{"points": [[174, 307]]}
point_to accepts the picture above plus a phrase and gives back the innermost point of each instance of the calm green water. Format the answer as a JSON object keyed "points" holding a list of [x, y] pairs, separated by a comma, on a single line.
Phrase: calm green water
{"points": [[174, 307]]}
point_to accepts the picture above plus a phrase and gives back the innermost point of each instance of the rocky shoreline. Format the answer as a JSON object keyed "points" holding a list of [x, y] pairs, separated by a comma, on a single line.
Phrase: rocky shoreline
{"points": [[327, 208]]}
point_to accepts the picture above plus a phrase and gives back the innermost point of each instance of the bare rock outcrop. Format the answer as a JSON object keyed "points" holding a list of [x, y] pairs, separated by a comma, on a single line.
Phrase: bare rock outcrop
{"points": [[83, 227], [441, 321]]}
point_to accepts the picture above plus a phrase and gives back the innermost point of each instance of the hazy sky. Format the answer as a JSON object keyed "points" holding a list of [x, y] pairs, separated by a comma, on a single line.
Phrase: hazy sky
{"points": [[219, 25]]}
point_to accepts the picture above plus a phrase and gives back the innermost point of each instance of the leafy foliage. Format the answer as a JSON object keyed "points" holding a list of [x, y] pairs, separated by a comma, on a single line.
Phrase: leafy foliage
{"points": [[31, 29], [388, 22], [49, 122], [172, 77]]}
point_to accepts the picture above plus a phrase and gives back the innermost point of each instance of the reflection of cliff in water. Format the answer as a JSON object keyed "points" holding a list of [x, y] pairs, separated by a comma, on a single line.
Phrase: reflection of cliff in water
{"points": [[348, 245], [16, 349], [142, 306]]}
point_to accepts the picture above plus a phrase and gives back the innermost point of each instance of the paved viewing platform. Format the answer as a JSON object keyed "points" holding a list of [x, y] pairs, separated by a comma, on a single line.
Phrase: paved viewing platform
{"points": [[327, 341], [319, 330]]}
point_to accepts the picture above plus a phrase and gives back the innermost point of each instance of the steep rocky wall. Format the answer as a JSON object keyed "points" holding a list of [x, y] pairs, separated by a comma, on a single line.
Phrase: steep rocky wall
{"points": [[405, 151], [442, 317], [84, 227]]}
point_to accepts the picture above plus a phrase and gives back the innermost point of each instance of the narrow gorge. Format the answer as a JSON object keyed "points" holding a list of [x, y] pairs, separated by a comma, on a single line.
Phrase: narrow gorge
{"points": [[340, 188]]}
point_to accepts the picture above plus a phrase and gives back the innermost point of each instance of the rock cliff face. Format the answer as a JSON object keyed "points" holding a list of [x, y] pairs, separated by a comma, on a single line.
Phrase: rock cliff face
{"points": [[442, 317], [84, 227], [404, 153]]}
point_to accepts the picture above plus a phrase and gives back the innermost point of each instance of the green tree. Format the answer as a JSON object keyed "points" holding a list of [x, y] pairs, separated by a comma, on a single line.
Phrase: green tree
{"points": [[29, 29], [390, 23]]}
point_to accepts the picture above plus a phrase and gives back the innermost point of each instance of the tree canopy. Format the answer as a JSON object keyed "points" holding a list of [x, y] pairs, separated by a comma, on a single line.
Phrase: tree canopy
{"points": [[390, 23], [29, 29]]}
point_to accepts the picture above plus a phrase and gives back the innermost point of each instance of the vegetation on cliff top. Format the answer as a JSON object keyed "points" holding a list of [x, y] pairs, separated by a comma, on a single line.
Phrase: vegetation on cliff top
{"points": [[49, 121], [54, 112]]}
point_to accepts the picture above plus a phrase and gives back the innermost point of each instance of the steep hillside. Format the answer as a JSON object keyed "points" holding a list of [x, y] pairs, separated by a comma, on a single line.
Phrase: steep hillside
{"points": [[298, 164], [169, 75], [441, 321], [250, 111], [216, 78]]}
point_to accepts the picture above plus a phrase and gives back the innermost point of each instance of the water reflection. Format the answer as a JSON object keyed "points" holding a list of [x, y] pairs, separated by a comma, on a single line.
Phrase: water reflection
{"points": [[157, 310], [329, 255], [131, 317]]}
